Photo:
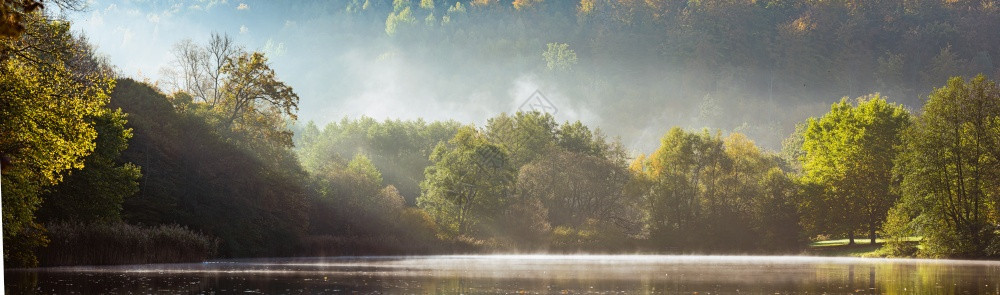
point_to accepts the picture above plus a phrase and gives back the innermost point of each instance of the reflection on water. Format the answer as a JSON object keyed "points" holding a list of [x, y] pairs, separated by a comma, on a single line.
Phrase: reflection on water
{"points": [[547, 274]]}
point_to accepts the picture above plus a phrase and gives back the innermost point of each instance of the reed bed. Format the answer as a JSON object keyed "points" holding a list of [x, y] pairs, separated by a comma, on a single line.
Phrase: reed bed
{"points": [[121, 243]]}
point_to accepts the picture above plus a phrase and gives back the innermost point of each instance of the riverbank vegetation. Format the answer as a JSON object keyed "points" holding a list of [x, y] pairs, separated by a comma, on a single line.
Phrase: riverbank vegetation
{"points": [[212, 161], [105, 243]]}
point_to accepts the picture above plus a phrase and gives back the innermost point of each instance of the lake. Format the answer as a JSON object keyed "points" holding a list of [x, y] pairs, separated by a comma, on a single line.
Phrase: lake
{"points": [[531, 274]]}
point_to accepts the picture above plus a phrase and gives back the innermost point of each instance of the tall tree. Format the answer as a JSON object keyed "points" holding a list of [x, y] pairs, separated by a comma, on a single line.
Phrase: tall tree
{"points": [[255, 103], [468, 184], [576, 188], [705, 192], [677, 172], [849, 152], [951, 170], [237, 90], [49, 94], [96, 192]]}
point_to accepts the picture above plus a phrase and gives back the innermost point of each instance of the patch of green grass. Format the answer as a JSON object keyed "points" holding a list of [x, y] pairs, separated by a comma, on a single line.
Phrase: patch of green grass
{"points": [[842, 247]]}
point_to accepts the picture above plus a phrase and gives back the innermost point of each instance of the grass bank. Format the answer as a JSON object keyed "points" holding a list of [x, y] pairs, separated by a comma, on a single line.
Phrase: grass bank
{"points": [[121, 243], [842, 247]]}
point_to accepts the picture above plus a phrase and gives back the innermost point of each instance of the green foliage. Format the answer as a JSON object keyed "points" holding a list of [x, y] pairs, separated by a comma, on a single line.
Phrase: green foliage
{"points": [[96, 192], [237, 92], [778, 213], [468, 184], [591, 236], [194, 177], [898, 227], [705, 192], [351, 212], [526, 135], [575, 188], [791, 148], [51, 88], [240, 168], [399, 150], [255, 103], [578, 138], [559, 57], [849, 154], [363, 167], [354, 193], [950, 171], [427, 4], [457, 8], [399, 17], [217, 156], [674, 197], [346, 203]]}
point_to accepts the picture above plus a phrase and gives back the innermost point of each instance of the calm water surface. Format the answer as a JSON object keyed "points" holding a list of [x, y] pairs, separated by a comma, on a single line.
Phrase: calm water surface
{"points": [[531, 274]]}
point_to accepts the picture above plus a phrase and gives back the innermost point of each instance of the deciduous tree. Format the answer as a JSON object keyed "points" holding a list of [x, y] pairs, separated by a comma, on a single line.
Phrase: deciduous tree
{"points": [[849, 153], [468, 185], [951, 171], [47, 99]]}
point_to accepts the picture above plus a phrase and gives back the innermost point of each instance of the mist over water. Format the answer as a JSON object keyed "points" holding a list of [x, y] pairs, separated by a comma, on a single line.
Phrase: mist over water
{"points": [[533, 274]]}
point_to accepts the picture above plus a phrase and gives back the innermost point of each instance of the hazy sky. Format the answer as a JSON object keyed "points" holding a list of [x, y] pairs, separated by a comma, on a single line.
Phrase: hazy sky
{"points": [[137, 37], [309, 47]]}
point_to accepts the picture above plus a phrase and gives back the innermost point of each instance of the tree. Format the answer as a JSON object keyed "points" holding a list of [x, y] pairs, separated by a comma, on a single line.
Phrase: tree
{"points": [[576, 188], [255, 103], [951, 171], [849, 152], [195, 177], [559, 57], [49, 94], [676, 174], [946, 64], [526, 135], [400, 15], [364, 183], [576, 137], [399, 149], [351, 201], [427, 4], [705, 192], [468, 183], [791, 148], [198, 70], [96, 192], [524, 4], [779, 219], [236, 90]]}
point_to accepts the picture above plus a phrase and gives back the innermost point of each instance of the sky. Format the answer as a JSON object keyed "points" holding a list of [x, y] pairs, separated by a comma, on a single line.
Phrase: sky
{"points": [[137, 37], [309, 48]]}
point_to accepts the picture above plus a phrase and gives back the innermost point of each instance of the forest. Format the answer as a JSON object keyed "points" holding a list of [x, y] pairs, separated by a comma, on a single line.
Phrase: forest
{"points": [[212, 161]]}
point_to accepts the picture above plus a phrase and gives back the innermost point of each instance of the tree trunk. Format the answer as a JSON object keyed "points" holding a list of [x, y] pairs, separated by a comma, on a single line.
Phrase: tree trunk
{"points": [[871, 234], [850, 236]]}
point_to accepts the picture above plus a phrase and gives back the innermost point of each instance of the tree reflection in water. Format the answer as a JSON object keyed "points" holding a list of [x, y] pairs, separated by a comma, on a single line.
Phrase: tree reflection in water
{"points": [[524, 273]]}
